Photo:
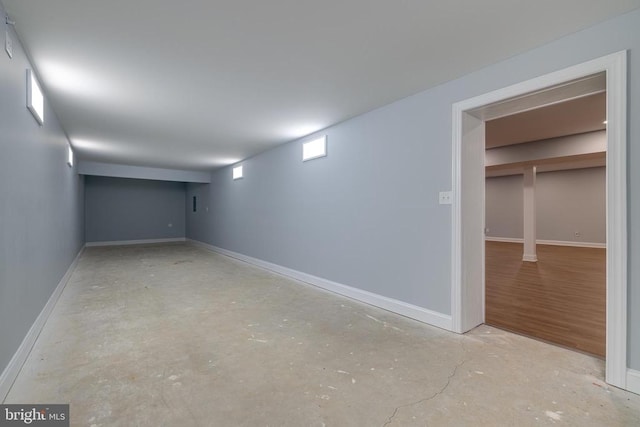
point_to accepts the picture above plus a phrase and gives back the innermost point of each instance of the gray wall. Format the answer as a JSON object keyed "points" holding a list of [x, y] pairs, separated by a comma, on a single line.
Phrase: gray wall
{"points": [[41, 205], [566, 202], [198, 222], [119, 209], [504, 206], [570, 201], [368, 215]]}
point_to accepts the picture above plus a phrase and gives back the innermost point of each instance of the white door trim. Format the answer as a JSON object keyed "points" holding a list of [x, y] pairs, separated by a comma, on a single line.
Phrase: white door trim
{"points": [[615, 66]]}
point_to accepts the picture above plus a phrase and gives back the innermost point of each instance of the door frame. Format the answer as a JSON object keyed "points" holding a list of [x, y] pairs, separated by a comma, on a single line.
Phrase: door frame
{"points": [[467, 294]]}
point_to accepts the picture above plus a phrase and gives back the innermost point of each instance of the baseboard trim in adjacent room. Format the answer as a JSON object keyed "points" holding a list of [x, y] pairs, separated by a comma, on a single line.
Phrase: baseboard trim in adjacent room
{"points": [[503, 239], [548, 242], [395, 306], [135, 242], [574, 244], [20, 356], [633, 381]]}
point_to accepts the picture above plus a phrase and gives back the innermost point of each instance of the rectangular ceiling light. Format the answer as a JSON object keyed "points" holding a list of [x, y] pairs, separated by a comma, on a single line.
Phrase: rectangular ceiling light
{"points": [[35, 98], [237, 172], [69, 155], [314, 149]]}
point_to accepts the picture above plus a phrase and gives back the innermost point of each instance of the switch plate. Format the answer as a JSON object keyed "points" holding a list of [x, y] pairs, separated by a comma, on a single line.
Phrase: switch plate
{"points": [[445, 197], [8, 44]]}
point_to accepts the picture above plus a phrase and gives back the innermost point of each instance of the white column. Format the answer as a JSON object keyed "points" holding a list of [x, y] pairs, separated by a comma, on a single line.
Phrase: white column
{"points": [[529, 193]]}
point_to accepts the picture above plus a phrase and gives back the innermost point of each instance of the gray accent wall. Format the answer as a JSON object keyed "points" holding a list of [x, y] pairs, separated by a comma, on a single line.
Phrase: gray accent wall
{"points": [[567, 202], [198, 222], [368, 216], [41, 204], [119, 209]]}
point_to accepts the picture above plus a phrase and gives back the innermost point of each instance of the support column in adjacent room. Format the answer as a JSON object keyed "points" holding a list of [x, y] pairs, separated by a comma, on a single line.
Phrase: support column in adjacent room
{"points": [[529, 196]]}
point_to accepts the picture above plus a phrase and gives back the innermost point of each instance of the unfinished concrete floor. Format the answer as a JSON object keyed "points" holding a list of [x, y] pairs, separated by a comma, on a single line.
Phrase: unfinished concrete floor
{"points": [[175, 335]]}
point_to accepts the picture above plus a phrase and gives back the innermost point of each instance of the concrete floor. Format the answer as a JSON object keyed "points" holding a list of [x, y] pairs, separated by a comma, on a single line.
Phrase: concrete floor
{"points": [[175, 335]]}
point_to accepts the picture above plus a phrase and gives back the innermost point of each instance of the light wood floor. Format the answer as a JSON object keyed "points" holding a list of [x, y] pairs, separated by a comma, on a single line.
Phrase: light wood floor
{"points": [[561, 298]]}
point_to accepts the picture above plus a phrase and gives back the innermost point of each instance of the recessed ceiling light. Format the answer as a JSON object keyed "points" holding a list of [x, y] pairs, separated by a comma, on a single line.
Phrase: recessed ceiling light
{"points": [[35, 98]]}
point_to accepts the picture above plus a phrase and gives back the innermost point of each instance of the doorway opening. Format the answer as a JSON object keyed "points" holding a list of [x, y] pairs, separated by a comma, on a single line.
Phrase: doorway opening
{"points": [[545, 201], [468, 245]]}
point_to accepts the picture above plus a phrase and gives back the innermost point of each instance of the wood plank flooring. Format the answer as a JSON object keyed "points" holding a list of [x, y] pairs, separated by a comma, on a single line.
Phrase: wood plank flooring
{"points": [[561, 298]]}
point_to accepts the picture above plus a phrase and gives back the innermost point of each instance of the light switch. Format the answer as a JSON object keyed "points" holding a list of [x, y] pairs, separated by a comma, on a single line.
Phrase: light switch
{"points": [[445, 197]]}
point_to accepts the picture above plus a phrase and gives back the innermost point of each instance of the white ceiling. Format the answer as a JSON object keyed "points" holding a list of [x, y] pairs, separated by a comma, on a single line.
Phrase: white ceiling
{"points": [[199, 84]]}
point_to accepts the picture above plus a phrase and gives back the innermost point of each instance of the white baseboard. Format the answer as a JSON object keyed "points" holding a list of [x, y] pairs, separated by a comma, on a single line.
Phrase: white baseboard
{"points": [[574, 244], [20, 356], [548, 242], [135, 242], [504, 239], [395, 306], [633, 381]]}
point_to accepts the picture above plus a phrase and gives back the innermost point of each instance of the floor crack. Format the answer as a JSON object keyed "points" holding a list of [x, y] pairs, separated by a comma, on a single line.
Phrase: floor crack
{"points": [[434, 395]]}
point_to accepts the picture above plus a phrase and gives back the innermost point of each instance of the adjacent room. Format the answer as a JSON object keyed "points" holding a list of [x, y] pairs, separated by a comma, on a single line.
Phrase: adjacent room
{"points": [[546, 180], [329, 213]]}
